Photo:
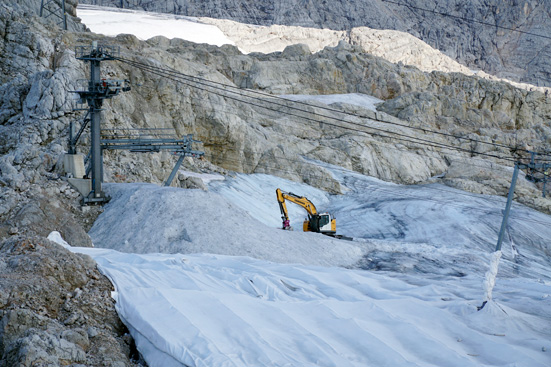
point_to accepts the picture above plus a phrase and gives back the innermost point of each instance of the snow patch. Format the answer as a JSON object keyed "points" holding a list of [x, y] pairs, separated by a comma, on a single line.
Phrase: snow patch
{"points": [[146, 218], [146, 25], [196, 305], [56, 237], [214, 310], [357, 99]]}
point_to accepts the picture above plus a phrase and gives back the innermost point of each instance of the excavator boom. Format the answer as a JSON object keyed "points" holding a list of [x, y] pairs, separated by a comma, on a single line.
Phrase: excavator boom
{"points": [[294, 198]]}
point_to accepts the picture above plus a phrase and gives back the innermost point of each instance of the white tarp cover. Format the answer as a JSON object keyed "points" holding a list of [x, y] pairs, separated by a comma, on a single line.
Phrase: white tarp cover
{"points": [[215, 310]]}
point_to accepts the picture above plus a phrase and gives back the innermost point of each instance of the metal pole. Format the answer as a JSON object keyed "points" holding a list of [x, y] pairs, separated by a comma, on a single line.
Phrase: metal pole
{"points": [[507, 208], [101, 160], [175, 170], [492, 273], [95, 129], [71, 139], [96, 151]]}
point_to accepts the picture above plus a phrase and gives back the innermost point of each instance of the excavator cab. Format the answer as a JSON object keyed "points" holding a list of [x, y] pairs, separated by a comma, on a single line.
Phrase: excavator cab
{"points": [[322, 223]]}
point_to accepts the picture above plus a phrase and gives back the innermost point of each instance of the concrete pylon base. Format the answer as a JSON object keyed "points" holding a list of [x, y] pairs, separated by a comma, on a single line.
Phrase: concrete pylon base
{"points": [[82, 185], [74, 165]]}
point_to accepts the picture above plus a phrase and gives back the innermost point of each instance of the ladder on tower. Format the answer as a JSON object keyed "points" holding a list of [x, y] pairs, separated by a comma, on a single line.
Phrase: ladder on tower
{"points": [[54, 8]]}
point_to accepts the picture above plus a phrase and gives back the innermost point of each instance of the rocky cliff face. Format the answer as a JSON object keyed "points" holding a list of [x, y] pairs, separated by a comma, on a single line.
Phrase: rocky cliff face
{"points": [[55, 307], [488, 44]]}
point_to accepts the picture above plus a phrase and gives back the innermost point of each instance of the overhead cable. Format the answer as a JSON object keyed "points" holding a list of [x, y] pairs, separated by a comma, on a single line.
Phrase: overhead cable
{"points": [[465, 19], [287, 103], [186, 79]]}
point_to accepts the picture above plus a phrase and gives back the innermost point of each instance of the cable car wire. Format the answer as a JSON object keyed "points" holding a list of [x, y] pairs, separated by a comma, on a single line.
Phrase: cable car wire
{"points": [[185, 79], [291, 104], [464, 19]]}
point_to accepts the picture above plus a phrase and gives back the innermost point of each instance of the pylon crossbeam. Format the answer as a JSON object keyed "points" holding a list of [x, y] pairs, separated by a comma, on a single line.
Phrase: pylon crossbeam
{"points": [[145, 145], [97, 53]]}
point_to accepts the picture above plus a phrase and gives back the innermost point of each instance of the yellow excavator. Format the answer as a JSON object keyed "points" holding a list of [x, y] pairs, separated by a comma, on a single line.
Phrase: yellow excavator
{"points": [[316, 222]]}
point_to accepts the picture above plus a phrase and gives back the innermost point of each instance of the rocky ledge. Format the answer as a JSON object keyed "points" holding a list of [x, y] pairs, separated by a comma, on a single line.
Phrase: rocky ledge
{"points": [[56, 309]]}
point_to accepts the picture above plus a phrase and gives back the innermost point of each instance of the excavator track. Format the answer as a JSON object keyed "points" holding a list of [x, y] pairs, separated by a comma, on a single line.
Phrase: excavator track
{"points": [[339, 236]]}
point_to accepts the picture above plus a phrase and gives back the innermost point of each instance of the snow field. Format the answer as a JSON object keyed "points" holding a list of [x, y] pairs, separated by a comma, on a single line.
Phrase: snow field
{"points": [[146, 218], [215, 310], [208, 279]]}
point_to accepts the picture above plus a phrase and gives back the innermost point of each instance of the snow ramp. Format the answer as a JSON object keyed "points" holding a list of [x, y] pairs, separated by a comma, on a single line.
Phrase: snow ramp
{"points": [[147, 218]]}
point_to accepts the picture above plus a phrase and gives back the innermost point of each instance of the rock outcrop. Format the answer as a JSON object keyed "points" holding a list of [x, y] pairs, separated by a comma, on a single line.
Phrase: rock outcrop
{"points": [[56, 309], [250, 132], [496, 117], [506, 39]]}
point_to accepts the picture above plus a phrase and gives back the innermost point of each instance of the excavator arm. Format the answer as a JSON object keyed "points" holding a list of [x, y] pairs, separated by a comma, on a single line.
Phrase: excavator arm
{"points": [[299, 200]]}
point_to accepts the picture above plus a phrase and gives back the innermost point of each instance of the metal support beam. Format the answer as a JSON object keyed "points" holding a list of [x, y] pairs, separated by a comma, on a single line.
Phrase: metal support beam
{"points": [[94, 93], [147, 141], [492, 273], [73, 139], [175, 170], [507, 208]]}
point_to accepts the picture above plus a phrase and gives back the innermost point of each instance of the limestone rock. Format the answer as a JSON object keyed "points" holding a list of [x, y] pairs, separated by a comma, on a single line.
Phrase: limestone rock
{"points": [[269, 135], [266, 134], [38, 347], [190, 182], [43, 285], [48, 213], [495, 47]]}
